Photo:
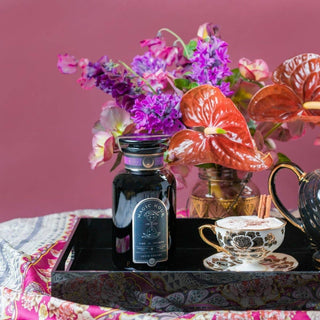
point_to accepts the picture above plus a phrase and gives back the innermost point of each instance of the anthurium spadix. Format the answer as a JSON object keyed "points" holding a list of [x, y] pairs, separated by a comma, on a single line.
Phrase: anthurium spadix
{"points": [[217, 133]]}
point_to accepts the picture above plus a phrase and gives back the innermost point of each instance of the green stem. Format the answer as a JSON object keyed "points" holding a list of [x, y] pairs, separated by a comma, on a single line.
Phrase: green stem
{"points": [[275, 127], [135, 74], [178, 38], [259, 84]]}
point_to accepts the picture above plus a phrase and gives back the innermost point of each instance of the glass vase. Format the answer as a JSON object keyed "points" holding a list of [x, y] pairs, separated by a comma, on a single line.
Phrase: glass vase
{"points": [[220, 192]]}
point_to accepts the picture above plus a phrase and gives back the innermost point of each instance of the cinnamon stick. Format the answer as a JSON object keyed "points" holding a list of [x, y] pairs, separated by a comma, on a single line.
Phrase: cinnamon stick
{"points": [[268, 207], [264, 206], [260, 206]]}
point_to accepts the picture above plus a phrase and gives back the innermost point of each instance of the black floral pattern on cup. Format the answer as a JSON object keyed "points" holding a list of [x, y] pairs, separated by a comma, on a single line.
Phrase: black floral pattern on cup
{"points": [[247, 239], [270, 240]]}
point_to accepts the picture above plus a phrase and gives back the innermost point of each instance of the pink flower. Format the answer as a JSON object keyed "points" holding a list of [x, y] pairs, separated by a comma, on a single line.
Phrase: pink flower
{"points": [[207, 30], [114, 122], [67, 64], [102, 148], [157, 80], [66, 311], [256, 70], [169, 54], [154, 45], [115, 119], [83, 62], [158, 49], [84, 81]]}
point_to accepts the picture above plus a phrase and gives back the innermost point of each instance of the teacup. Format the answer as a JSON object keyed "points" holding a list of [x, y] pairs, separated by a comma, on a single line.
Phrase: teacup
{"points": [[248, 239]]}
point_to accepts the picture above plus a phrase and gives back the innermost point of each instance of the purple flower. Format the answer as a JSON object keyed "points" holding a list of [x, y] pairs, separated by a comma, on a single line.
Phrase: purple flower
{"points": [[157, 114], [104, 73], [121, 88], [151, 69], [209, 63], [147, 63], [127, 101]]}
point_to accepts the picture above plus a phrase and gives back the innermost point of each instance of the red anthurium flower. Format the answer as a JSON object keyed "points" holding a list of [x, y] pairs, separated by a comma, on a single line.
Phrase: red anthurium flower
{"points": [[295, 94], [220, 133]]}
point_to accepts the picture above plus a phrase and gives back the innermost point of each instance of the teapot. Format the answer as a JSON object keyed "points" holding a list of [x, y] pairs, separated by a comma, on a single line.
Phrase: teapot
{"points": [[308, 200]]}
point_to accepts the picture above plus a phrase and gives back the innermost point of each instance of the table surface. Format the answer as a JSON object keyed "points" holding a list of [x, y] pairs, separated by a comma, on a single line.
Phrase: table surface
{"points": [[29, 248]]}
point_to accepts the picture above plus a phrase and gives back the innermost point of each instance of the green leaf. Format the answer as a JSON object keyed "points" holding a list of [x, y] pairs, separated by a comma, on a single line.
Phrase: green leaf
{"points": [[251, 124], [190, 47], [182, 83], [282, 158], [166, 156], [193, 85], [192, 44], [117, 162], [234, 78]]}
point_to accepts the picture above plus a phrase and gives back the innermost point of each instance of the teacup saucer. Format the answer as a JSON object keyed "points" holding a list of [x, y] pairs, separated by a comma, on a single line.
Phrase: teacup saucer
{"points": [[273, 262]]}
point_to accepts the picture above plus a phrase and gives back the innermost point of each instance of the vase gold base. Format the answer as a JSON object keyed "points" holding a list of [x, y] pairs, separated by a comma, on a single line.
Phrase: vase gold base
{"points": [[219, 208]]}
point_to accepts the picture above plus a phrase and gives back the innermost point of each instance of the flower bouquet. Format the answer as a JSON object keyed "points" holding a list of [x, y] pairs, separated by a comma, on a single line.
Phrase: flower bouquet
{"points": [[216, 116]]}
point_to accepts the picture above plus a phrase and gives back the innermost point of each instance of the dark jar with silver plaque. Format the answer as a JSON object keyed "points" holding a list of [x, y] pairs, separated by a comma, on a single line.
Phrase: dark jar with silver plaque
{"points": [[144, 206]]}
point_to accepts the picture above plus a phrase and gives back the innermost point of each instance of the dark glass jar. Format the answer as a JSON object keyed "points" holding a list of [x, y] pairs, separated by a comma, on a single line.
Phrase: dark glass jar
{"points": [[144, 206]]}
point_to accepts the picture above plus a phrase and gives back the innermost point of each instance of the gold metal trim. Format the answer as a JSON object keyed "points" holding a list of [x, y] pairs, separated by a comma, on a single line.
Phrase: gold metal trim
{"points": [[210, 243], [300, 176], [220, 208]]}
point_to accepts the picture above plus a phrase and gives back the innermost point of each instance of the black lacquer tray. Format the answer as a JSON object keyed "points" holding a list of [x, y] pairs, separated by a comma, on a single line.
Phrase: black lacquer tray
{"points": [[84, 273]]}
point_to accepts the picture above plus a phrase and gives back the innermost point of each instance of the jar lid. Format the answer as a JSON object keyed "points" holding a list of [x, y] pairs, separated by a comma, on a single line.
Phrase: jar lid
{"points": [[143, 144]]}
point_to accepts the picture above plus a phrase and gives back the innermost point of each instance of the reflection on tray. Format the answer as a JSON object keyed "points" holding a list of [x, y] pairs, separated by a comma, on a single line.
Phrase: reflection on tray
{"points": [[84, 273]]}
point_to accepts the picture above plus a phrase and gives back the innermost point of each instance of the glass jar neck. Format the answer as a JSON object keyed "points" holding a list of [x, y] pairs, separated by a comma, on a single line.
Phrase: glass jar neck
{"points": [[143, 162], [218, 173]]}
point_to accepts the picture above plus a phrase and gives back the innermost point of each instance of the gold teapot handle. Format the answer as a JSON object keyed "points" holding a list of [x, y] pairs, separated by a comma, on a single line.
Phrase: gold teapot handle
{"points": [[272, 190], [210, 243]]}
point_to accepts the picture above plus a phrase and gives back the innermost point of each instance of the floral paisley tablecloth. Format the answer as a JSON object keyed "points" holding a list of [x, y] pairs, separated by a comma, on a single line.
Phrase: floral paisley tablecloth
{"points": [[29, 248]]}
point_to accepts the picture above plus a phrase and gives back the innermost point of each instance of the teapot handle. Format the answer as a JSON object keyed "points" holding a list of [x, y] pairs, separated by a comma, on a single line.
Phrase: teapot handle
{"points": [[272, 190]]}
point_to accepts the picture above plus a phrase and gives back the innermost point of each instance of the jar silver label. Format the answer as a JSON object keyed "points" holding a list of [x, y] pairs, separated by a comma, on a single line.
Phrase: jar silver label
{"points": [[150, 232]]}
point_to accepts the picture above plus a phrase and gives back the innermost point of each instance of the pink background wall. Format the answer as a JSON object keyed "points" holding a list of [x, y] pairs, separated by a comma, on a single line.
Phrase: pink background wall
{"points": [[46, 118]]}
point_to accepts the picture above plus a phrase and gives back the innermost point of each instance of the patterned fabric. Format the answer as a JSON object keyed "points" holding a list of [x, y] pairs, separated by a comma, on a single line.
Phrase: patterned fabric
{"points": [[29, 249]]}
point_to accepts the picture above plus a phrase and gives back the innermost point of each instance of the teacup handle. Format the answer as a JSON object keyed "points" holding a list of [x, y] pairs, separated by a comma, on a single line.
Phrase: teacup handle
{"points": [[210, 243], [272, 190]]}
